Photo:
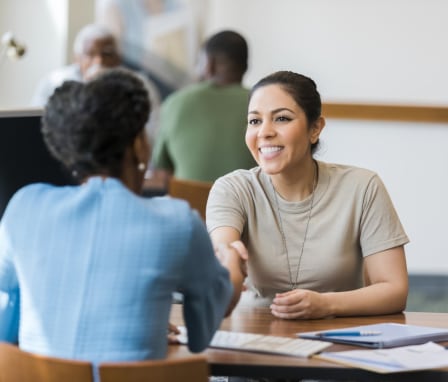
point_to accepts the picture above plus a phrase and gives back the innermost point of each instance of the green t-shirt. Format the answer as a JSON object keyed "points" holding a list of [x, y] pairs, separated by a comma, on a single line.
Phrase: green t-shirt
{"points": [[202, 130]]}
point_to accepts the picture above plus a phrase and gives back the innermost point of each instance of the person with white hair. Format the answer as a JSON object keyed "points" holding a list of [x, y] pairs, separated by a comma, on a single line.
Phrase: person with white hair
{"points": [[95, 50]]}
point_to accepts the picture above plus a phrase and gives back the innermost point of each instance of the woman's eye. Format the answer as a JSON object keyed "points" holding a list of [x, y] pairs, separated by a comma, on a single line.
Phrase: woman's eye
{"points": [[254, 121], [282, 118]]}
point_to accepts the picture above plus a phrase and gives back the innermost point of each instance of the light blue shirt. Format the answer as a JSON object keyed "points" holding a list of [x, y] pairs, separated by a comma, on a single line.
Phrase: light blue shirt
{"points": [[93, 268]]}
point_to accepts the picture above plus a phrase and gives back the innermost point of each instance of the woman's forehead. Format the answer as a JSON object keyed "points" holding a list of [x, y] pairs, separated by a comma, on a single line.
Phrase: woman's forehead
{"points": [[272, 96]]}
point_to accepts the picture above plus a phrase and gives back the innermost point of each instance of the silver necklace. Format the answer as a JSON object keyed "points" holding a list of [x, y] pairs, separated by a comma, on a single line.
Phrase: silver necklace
{"points": [[282, 232]]}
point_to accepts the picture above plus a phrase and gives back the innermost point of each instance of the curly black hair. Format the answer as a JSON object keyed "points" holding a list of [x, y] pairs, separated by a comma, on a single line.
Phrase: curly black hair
{"points": [[88, 126]]}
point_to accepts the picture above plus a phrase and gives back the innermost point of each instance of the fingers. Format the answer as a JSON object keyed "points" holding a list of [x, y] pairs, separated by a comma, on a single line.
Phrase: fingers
{"points": [[240, 248], [299, 304], [172, 339], [290, 297], [173, 331], [289, 312], [289, 315], [237, 245], [233, 253], [287, 293]]}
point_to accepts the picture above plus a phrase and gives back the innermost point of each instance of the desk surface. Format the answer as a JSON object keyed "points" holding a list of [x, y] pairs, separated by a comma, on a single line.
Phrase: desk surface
{"points": [[259, 320]]}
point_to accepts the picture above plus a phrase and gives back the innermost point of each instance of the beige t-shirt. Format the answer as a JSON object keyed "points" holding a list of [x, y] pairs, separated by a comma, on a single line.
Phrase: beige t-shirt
{"points": [[352, 217]]}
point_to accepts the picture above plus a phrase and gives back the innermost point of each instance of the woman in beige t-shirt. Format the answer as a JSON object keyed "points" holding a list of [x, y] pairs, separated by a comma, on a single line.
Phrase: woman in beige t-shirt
{"points": [[323, 239]]}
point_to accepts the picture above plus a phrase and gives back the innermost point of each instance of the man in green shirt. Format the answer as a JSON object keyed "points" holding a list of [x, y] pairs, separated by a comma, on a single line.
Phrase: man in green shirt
{"points": [[202, 126]]}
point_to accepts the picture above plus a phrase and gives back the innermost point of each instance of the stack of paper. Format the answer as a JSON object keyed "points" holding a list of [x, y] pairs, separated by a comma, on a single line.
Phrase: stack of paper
{"points": [[387, 335], [405, 358]]}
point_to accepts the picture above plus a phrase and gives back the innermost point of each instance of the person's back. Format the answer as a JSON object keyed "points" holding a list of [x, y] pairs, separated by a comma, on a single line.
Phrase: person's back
{"points": [[203, 129], [95, 264], [74, 303], [202, 126]]}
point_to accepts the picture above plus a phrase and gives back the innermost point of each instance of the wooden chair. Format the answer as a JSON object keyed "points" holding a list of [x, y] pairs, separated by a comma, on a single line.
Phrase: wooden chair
{"points": [[192, 369], [17, 365], [195, 192]]}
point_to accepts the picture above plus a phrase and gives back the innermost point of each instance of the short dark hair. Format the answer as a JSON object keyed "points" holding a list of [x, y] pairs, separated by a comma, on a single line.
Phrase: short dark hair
{"points": [[88, 126], [231, 45], [301, 88]]}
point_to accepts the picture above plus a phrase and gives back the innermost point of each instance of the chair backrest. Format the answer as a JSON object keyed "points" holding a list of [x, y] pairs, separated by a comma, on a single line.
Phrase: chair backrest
{"points": [[191, 369], [18, 365], [195, 192]]}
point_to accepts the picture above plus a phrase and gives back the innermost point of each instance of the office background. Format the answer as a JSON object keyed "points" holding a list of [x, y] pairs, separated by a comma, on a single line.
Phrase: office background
{"points": [[375, 51]]}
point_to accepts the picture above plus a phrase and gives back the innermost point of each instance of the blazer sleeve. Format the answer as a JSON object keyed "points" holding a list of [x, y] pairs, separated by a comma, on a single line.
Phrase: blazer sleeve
{"points": [[207, 289], [9, 291]]}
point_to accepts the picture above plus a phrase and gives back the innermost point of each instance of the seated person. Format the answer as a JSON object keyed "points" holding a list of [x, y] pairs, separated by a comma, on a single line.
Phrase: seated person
{"points": [[95, 50], [202, 125], [323, 239], [95, 265]]}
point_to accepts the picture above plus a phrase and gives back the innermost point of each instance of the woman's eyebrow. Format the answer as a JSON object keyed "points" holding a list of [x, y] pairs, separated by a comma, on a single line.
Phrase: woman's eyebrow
{"points": [[282, 109]]}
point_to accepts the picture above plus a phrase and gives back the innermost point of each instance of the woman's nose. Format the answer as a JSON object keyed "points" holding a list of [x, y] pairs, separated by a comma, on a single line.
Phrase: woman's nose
{"points": [[266, 129]]}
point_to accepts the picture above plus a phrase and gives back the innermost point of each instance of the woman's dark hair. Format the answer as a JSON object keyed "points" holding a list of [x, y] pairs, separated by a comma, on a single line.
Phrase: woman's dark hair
{"points": [[88, 126], [302, 89]]}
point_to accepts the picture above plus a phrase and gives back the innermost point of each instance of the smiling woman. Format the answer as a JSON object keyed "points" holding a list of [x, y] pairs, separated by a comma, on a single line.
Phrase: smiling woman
{"points": [[283, 209]]}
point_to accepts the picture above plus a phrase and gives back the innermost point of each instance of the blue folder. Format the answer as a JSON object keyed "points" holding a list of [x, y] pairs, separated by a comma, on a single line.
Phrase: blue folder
{"points": [[391, 335]]}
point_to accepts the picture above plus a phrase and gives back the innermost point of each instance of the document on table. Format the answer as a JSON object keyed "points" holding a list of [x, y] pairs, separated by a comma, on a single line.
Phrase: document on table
{"points": [[384, 335], [224, 339], [406, 358]]}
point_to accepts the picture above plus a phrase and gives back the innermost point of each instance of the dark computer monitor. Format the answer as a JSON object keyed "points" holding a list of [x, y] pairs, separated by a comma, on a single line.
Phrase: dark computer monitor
{"points": [[24, 158]]}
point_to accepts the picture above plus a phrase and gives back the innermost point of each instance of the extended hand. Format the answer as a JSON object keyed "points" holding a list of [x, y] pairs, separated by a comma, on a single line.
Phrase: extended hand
{"points": [[172, 332], [234, 251], [299, 304]]}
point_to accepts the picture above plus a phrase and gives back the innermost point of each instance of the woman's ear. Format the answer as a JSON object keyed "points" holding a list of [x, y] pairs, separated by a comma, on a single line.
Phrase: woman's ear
{"points": [[316, 129]]}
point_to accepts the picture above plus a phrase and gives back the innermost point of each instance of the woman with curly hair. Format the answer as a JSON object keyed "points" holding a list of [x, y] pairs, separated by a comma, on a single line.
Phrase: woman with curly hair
{"points": [[93, 266]]}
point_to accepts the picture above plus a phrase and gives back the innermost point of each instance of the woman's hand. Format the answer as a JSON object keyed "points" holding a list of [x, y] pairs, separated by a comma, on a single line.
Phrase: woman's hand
{"points": [[234, 252], [173, 331], [300, 304]]}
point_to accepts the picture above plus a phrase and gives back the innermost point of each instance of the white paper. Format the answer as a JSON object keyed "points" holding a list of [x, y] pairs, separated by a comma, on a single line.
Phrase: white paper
{"points": [[416, 357]]}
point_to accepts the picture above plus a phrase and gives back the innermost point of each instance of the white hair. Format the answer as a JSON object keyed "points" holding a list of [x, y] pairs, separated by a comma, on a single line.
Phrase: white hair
{"points": [[88, 33]]}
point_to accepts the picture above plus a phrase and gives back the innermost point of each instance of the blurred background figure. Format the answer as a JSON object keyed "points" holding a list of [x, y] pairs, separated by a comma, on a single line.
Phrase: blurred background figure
{"points": [[202, 126], [161, 37], [95, 50]]}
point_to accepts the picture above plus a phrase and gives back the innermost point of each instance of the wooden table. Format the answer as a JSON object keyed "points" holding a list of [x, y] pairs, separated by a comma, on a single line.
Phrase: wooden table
{"points": [[256, 365]]}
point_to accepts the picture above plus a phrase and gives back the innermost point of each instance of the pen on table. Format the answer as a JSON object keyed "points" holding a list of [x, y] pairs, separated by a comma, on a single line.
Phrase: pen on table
{"points": [[351, 333]]}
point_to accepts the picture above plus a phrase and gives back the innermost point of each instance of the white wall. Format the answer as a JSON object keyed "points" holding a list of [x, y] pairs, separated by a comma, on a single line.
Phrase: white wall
{"points": [[47, 28], [40, 25], [376, 51], [412, 161], [372, 50]]}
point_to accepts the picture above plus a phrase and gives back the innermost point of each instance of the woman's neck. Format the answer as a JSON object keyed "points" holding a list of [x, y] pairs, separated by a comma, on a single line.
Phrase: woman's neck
{"points": [[298, 186]]}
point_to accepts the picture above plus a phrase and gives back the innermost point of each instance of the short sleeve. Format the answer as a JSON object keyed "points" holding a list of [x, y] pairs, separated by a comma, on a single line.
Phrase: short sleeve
{"points": [[381, 228], [206, 287], [225, 207]]}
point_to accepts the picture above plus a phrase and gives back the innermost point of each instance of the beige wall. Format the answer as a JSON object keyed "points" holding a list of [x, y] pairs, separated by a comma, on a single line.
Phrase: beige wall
{"points": [[80, 13]]}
